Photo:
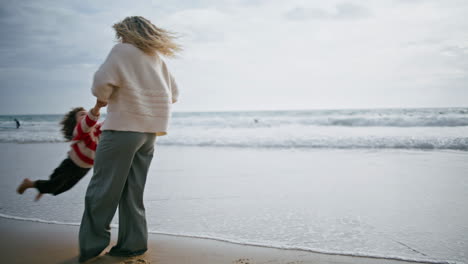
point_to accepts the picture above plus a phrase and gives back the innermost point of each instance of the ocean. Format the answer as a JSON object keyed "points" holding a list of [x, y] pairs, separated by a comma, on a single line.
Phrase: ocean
{"points": [[431, 128], [389, 183]]}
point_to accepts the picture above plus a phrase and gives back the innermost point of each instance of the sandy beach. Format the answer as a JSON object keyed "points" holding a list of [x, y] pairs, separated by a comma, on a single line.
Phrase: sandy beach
{"points": [[32, 242]]}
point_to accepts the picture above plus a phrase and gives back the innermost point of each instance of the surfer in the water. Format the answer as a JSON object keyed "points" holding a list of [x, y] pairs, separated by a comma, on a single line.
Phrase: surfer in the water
{"points": [[17, 123]]}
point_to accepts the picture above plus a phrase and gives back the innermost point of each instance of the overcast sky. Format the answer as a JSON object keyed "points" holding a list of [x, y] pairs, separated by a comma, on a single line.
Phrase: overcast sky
{"points": [[246, 54]]}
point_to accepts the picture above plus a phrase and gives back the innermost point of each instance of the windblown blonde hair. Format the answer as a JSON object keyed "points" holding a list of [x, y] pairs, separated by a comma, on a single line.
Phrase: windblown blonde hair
{"points": [[150, 39]]}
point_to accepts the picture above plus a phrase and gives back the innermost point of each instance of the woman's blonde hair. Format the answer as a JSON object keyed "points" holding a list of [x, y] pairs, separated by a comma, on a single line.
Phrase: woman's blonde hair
{"points": [[150, 39]]}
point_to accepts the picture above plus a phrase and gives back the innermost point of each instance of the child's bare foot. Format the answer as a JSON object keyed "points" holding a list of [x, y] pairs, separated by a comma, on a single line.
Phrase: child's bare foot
{"points": [[27, 183]]}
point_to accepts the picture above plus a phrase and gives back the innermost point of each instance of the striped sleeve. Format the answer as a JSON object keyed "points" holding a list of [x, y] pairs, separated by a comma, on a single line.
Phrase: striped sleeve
{"points": [[86, 124]]}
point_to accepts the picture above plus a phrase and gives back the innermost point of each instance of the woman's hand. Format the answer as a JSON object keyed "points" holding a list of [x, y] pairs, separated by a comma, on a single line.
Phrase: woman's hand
{"points": [[97, 107], [100, 104]]}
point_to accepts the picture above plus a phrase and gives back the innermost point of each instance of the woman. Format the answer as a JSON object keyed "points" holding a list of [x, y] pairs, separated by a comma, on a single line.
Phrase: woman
{"points": [[139, 90]]}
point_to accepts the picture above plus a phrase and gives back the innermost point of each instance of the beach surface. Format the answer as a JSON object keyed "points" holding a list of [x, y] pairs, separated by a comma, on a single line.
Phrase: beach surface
{"points": [[33, 242], [384, 204]]}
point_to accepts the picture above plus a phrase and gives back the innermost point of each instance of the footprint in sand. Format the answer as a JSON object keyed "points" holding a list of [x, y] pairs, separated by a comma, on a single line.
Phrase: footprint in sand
{"points": [[136, 261], [242, 261]]}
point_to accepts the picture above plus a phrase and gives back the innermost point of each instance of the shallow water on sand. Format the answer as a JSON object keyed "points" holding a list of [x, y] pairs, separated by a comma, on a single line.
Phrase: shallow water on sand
{"points": [[407, 204]]}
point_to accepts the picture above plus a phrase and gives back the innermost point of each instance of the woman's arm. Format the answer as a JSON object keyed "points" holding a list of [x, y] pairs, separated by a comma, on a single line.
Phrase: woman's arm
{"points": [[174, 89], [107, 76]]}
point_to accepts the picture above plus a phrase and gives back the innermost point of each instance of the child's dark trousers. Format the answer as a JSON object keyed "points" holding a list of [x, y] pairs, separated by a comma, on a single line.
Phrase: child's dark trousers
{"points": [[63, 178]]}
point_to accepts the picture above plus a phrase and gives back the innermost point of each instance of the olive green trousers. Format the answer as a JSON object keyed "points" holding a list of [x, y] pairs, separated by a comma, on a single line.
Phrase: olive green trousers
{"points": [[121, 166]]}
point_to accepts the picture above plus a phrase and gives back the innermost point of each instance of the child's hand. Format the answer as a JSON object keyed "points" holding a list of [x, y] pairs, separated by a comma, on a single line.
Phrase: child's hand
{"points": [[100, 103]]}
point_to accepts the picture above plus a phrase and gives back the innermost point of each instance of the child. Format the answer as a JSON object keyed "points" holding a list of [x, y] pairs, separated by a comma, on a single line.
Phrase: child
{"points": [[80, 127]]}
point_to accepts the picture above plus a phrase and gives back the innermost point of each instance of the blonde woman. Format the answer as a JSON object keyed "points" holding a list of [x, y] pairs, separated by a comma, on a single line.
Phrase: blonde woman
{"points": [[135, 83]]}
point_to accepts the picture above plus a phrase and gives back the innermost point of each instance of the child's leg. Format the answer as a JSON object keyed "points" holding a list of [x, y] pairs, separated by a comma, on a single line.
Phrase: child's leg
{"points": [[60, 179], [38, 196], [26, 184], [73, 177], [65, 176]]}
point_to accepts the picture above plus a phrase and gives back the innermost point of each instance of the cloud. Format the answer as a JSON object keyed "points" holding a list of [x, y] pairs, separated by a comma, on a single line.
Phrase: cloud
{"points": [[341, 11], [35, 35], [240, 54]]}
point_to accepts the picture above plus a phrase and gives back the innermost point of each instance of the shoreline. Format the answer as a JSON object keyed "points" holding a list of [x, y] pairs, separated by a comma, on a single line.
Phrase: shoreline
{"points": [[43, 242]]}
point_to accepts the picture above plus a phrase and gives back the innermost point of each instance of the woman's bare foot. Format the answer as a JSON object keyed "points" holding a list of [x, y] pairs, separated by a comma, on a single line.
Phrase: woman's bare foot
{"points": [[27, 183]]}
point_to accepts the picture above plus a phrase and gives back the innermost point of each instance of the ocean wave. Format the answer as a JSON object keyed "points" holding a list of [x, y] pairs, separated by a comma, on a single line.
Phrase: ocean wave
{"points": [[31, 141], [425, 129], [260, 122], [457, 143], [392, 122], [348, 118], [352, 143], [265, 244], [398, 117]]}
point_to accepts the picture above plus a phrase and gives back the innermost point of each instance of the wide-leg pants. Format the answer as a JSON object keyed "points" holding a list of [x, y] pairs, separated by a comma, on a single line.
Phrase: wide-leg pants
{"points": [[121, 166]]}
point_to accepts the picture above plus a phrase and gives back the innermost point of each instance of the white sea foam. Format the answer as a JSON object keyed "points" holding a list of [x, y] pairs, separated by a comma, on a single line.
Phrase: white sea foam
{"points": [[424, 129], [37, 220]]}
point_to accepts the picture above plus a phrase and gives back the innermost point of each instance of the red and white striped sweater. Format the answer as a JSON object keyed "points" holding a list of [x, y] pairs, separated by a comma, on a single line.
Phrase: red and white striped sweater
{"points": [[85, 138]]}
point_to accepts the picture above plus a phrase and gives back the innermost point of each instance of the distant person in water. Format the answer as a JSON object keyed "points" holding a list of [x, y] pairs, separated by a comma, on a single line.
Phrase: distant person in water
{"points": [[81, 128], [17, 123]]}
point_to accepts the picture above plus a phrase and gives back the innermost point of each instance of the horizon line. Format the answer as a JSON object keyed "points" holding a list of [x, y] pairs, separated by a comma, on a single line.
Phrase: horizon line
{"points": [[271, 110]]}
